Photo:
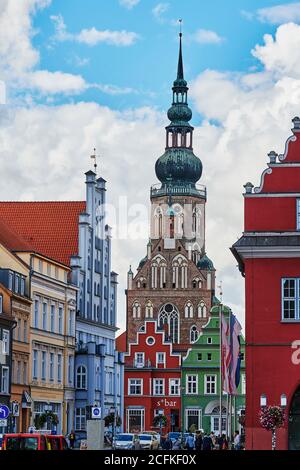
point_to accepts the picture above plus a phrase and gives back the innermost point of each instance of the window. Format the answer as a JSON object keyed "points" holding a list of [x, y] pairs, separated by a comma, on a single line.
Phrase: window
{"points": [[44, 316], [5, 342], [174, 387], [80, 419], [150, 340], [10, 280], [17, 284], [40, 266], [209, 356], [22, 286], [160, 359], [209, 340], [199, 356], [135, 387], [25, 381], [194, 334], [70, 370], [135, 420], [51, 367], [81, 382], [35, 364], [60, 320], [202, 310], [36, 313], [59, 361], [5, 380], [298, 213], [192, 384], [52, 318], [189, 310], [49, 270], [193, 418], [1, 303], [139, 359], [25, 331], [243, 384], [210, 385], [71, 322], [290, 299], [19, 328], [136, 310], [169, 316], [149, 310], [18, 372], [158, 387], [43, 365]]}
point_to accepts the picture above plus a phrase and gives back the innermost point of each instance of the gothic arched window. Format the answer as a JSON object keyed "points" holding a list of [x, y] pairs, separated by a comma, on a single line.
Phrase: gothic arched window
{"points": [[149, 309], [189, 310], [158, 272], [202, 310], [169, 316], [136, 310], [180, 272], [194, 334]]}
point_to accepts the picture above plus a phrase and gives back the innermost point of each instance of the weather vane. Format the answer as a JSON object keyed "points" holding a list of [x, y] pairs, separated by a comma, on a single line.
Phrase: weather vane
{"points": [[221, 291], [94, 157], [180, 26]]}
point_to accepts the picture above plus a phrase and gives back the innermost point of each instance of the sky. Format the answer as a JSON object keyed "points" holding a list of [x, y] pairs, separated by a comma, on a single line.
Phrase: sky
{"points": [[98, 73]]}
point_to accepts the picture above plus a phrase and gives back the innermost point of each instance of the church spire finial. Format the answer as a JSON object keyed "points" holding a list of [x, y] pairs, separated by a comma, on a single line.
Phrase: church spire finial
{"points": [[180, 75]]}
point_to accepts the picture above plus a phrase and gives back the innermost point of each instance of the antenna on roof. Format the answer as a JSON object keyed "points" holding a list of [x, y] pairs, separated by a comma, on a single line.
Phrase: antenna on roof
{"points": [[94, 157]]}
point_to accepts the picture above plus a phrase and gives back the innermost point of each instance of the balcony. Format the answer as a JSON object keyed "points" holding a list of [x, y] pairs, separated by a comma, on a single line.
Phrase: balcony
{"points": [[198, 190]]}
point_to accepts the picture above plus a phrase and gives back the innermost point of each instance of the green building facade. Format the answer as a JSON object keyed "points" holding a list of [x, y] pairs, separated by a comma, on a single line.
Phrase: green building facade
{"points": [[201, 382]]}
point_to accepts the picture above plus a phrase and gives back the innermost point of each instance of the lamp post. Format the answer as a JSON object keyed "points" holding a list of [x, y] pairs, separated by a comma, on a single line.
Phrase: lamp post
{"points": [[272, 418], [48, 408], [160, 414], [113, 412]]}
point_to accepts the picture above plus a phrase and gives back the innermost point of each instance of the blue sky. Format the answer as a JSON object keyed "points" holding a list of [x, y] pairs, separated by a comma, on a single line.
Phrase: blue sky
{"points": [[148, 66]]}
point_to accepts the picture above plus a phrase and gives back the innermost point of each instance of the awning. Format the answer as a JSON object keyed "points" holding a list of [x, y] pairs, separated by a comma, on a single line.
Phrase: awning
{"points": [[26, 399]]}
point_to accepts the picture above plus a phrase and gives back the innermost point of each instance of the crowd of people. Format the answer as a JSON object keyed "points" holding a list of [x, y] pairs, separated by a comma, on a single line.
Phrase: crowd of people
{"points": [[203, 441]]}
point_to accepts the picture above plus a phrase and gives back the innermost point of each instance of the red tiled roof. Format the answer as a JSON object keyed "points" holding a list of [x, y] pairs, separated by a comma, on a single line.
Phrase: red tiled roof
{"points": [[11, 240], [121, 342], [49, 228]]}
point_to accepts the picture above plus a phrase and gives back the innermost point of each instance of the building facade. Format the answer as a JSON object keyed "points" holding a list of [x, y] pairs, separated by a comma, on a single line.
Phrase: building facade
{"points": [[6, 325], [201, 385], [99, 367], [152, 382], [268, 256], [175, 282]]}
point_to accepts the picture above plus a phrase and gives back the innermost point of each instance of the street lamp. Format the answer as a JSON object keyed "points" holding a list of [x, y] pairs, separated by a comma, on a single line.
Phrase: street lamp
{"points": [[283, 401], [48, 408], [113, 412], [160, 414]]}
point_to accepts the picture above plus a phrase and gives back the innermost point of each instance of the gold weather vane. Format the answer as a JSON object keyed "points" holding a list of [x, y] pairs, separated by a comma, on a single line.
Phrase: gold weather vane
{"points": [[94, 157]]}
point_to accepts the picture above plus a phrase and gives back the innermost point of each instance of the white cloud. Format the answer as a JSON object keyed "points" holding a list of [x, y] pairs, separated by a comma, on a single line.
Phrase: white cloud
{"points": [[129, 3], [92, 36], [281, 55], [205, 36], [55, 82], [280, 13], [159, 10]]}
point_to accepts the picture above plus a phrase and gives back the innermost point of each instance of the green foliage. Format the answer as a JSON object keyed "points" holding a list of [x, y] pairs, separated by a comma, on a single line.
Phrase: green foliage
{"points": [[160, 419]]}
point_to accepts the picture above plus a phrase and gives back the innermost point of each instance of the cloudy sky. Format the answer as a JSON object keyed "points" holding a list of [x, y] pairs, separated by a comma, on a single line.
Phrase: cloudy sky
{"points": [[98, 73]]}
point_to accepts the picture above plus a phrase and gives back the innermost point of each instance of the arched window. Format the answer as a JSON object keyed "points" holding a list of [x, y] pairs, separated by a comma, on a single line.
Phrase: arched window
{"points": [[169, 316], [194, 334], [149, 309], [158, 272], [81, 378], [136, 310], [197, 221], [180, 272], [189, 310], [197, 283], [202, 310]]}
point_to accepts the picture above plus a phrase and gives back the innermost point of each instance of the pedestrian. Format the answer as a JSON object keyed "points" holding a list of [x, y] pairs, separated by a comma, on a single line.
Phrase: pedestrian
{"points": [[223, 442], [237, 441], [177, 444], [72, 438], [136, 443], [168, 443], [190, 442], [207, 442], [198, 441], [213, 440]]}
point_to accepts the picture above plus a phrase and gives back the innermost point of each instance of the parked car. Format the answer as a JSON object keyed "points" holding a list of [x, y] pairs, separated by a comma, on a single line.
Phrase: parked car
{"points": [[123, 441], [25, 442], [148, 442], [153, 433], [57, 442]]}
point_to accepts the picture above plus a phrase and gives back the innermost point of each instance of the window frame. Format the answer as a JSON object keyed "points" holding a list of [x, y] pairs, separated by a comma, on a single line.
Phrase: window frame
{"points": [[5, 342], [176, 386], [160, 362], [297, 214], [295, 299], [130, 384], [80, 375], [6, 369], [158, 382], [210, 383], [190, 383]]}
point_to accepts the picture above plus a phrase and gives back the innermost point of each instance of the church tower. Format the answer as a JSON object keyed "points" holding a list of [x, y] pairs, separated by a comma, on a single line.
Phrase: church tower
{"points": [[175, 281]]}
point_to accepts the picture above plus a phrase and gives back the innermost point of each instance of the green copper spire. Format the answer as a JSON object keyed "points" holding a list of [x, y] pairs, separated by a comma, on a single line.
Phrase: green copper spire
{"points": [[178, 169]]}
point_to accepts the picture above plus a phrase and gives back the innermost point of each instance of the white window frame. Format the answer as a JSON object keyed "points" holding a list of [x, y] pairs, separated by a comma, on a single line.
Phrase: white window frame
{"points": [[5, 342], [51, 366], [80, 414], [140, 411], [243, 384], [208, 383], [137, 362], [298, 214], [35, 364], [158, 382], [295, 299], [59, 368], [52, 317], [60, 319], [5, 389], [193, 412], [163, 362], [131, 384], [176, 385], [36, 313], [81, 374], [44, 315], [44, 366], [190, 382]]}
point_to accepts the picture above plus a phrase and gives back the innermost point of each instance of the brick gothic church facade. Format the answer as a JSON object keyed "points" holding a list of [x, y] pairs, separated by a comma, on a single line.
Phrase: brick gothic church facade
{"points": [[175, 282]]}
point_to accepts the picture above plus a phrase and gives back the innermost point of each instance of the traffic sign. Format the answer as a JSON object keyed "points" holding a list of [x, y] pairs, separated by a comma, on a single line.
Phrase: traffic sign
{"points": [[4, 411], [15, 408], [3, 423], [96, 412]]}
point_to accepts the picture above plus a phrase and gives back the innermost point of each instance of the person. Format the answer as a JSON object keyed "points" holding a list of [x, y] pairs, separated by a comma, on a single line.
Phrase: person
{"points": [[213, 440], [207, 442], [198, 441], [136, 443], [167, 443], [72, 439], [237, 441], [223, 442], [177, 444], [190, 442]]}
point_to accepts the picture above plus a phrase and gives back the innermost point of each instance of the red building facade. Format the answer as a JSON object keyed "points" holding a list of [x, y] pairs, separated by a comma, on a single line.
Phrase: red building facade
{"points": [[269, 257], [151, 382]]}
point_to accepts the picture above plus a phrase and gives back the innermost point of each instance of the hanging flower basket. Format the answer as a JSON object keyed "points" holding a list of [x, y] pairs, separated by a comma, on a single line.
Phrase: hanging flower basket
{"points": [[41, 420], [272, 417], [109, 420]]}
